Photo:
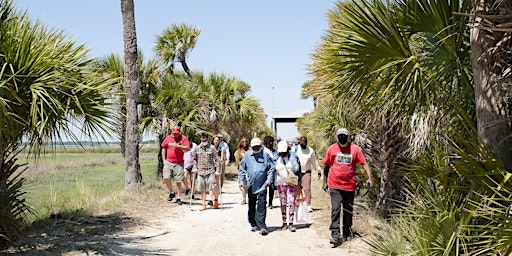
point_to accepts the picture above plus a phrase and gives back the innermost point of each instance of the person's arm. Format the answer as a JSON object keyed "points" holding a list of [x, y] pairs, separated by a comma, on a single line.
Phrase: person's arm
{"points": [[271, 170], [369, 174], [164, 153], [326, 175], [227, 153], [316, 165]]}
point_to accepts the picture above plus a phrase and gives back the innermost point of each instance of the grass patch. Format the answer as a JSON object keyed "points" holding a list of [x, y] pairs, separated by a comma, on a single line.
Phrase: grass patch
{"points": [[67, 184]]}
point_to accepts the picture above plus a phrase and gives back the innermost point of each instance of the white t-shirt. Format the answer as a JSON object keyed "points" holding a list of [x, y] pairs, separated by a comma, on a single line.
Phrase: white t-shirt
{"points": [[281, 171]]}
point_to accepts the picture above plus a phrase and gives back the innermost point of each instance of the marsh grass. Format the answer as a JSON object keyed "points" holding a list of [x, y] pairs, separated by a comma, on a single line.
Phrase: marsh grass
{"points": [[68, 184]]}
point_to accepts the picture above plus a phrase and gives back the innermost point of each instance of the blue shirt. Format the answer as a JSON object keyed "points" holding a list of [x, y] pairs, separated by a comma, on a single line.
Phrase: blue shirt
{"points": [[259, 169]]}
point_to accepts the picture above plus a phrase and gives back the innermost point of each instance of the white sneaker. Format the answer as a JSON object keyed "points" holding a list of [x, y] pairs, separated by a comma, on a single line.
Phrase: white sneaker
{"points": [[310, 209]]}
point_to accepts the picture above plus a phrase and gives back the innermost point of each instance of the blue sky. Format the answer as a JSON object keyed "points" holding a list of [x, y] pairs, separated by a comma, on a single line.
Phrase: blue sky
{"points": [[264, 43]]}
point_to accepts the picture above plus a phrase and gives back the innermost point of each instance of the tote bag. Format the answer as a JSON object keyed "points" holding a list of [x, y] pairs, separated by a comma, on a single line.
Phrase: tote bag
{"points": [[301, 208]]}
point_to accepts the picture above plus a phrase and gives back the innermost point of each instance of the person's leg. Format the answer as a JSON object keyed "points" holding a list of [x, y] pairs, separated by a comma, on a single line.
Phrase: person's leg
{"points": [[216, 193], [166, 172], [186, 180], [261, 210], [223, 174], [252, 207], [290, 195], [281, 190], [179, 174], [336, 199], [202, 186], [348, 205], [306, 187], [271, 191]]}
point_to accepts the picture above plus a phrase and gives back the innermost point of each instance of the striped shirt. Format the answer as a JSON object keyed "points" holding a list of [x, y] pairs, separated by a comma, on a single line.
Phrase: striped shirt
{"points": [[205, 159]]}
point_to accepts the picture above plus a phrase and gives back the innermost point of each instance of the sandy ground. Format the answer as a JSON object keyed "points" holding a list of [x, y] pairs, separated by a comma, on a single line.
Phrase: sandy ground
{"points": [[157, 227], [226, 231]]}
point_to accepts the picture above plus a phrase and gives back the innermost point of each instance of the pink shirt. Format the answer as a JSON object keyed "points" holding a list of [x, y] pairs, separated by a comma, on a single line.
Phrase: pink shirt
{"points": [[342, 162]]}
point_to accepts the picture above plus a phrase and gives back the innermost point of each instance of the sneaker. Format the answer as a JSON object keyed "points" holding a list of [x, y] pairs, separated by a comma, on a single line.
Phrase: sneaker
{"points": [[291, 227], [254, 229], [210, 202], [270, 206], [264, 232], [187, 191], [310, 209], [178, 201], [203, 208], [171, 196], [347, 238], [335, 241], [284, 227], [216, 205], [193, 197], [243, 202]]}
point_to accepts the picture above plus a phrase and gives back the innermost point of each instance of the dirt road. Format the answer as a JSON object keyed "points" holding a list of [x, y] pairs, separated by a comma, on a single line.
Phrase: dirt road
{"points": [[187, 231]]}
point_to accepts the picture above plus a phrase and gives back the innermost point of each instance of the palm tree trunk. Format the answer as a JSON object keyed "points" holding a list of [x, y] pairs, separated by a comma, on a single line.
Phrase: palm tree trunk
{"points": [[492, 104], [133, 178], [389, 144]]}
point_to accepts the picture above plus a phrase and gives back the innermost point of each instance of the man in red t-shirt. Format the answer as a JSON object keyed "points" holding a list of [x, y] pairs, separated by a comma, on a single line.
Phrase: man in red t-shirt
{"points": [[340, 177], [174, 147]]}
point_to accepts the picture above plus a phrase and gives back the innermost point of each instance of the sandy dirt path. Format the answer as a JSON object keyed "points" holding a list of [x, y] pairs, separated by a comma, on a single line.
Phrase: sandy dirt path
{"points": [[184, 230]]}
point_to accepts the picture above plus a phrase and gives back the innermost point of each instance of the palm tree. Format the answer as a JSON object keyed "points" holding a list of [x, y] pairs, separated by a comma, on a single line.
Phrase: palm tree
{"points": [[490, 50], [391, 63], [133, 178], [48, 91], [175, 43], [112, 66]]}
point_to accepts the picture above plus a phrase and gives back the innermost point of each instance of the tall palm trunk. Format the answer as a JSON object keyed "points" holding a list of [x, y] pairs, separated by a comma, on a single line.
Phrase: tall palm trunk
{"points": [[492, 103], [133, 178], [388, 145]]}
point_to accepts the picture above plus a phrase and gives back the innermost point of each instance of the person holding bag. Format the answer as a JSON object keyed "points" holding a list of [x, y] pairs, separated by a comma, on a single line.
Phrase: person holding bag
{"points": [[288, 181]]}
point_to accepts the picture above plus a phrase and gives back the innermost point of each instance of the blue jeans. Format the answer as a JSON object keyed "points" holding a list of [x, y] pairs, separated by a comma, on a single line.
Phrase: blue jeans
{"points": [[257, 208], [341, 198]]}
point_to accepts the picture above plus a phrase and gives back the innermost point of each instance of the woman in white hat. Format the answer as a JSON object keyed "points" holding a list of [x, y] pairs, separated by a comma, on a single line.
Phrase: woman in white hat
{"points": [[287, 164]]}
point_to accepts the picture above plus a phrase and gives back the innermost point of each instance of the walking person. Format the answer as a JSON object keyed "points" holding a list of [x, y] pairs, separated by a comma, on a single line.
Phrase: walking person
{"points": [[259, 169], [208, 169], [308, 163], [286, 164], [268, 143], [174, 147], [220, 154], [243, 147], [188, 164], [340, 178], [225, 162]]}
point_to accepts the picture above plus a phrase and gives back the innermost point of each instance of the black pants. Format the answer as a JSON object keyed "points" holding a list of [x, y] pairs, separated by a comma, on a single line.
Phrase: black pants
{"points": [[257, 210], [341, 198], [271, 190]]}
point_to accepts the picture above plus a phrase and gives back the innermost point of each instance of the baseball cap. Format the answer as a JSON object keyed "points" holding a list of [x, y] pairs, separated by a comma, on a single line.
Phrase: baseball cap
{"points": [[175, 129], [342, 131], [255, 142], [282, 146]]}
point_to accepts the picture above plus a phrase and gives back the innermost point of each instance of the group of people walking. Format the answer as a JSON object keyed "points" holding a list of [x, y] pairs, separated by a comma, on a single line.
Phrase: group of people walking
{"points": [[263, 168], [203, 164]]}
